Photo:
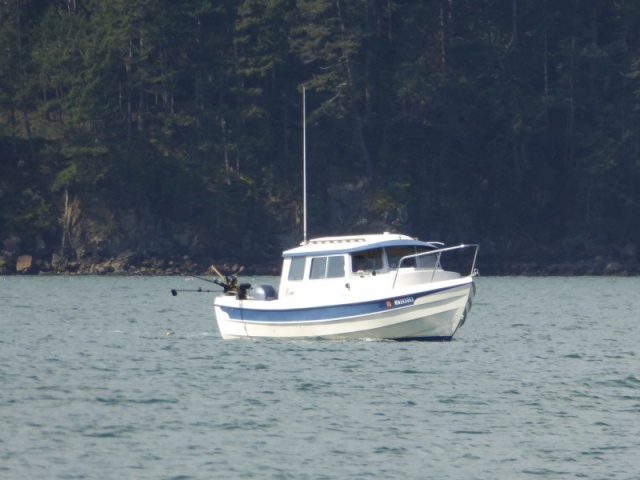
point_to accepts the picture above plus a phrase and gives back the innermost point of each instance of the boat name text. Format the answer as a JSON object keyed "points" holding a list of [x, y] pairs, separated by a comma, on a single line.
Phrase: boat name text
{"points": [[403, 301]]}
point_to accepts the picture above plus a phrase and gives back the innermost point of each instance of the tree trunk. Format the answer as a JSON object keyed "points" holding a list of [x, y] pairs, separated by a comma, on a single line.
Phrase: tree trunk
{"points": [[129, 93], [27, 128], [446, 29], [141, 102], [359, 131], [514, 22], [65, 222]]}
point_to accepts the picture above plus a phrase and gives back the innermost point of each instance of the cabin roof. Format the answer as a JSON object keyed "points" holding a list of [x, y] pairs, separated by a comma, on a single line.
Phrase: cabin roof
{"points": [[352, 243]]}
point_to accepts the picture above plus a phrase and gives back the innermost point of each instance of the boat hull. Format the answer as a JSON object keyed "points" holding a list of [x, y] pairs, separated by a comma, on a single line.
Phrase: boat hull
{"points": [[433, 315]]}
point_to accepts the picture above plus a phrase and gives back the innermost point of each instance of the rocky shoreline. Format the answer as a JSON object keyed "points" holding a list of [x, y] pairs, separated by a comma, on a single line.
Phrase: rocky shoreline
{"points": [[596, 267], [127, 263], [131, 263]]}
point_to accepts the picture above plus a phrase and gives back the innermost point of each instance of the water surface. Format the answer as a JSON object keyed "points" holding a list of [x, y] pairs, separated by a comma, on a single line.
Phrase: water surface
{"points": [[112, 377]]}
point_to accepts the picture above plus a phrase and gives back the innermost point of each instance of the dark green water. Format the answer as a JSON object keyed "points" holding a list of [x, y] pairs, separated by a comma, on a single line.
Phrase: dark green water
{"points": [[543, 381]]}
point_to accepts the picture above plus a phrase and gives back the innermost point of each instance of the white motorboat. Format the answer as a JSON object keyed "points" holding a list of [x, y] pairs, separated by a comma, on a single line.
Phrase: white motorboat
{"points": [[384, 286]]}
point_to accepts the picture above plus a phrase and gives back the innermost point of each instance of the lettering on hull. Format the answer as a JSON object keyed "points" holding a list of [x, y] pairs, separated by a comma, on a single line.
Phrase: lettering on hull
{"points": [[399, 302]]}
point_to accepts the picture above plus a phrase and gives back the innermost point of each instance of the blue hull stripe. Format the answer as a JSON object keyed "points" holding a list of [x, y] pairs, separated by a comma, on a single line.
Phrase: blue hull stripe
{"points": [[326, 313]]}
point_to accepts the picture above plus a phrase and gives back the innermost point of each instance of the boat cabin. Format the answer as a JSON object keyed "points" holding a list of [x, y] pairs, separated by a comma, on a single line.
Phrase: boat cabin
{"points": [[345, 265]]}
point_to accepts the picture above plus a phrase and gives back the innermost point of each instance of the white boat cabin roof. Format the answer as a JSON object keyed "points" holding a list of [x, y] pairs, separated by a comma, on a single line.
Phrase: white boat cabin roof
{"points": [[354, 243]]}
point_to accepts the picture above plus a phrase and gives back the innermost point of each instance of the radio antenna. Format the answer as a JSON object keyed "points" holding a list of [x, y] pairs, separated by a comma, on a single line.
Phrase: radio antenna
{"points": [[304, 165]]}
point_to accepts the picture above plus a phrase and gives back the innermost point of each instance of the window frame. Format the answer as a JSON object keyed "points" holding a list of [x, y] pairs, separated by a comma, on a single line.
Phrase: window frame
{"points": [[326, 268], [294, 267]]}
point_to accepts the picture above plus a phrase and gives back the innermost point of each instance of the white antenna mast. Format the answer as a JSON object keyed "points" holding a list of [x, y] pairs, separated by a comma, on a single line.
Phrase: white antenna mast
{"points": [[304, 165]]}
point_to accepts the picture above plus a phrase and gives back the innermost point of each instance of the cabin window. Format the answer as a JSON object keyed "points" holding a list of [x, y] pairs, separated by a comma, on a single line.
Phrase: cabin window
{"points": [[335, 268], [327, 267], [394, 254], [426, 261], [367, 260], [318, 268], [296, 269]]}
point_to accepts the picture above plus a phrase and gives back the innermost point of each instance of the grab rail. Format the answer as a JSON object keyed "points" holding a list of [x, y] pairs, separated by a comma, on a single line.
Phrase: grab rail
{"points": [[438, 254]]}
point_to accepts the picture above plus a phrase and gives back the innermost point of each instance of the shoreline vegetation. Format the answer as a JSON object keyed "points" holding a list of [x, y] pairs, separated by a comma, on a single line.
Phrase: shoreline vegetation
{"points": [[130, 263], [158, 138]]}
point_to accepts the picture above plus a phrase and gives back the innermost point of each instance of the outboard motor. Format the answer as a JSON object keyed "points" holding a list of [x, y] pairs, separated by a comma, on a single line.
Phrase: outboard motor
{"points": [[264, 292]]}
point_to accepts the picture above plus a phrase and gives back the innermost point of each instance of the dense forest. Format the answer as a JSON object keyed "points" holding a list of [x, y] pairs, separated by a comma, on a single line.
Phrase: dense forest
{"points": [[173, 129]]}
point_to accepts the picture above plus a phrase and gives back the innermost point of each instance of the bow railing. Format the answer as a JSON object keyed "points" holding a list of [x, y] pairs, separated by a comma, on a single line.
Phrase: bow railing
{"points": [[460, 259]]}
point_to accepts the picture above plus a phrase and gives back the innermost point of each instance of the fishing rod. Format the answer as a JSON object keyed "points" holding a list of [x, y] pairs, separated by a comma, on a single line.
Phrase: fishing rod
{"points": [[174, 292], [202, 278], [229, 283]]}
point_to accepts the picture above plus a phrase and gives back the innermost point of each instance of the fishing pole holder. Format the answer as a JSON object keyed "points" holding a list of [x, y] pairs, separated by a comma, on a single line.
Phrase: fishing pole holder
{"points": [[231, 287]]}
